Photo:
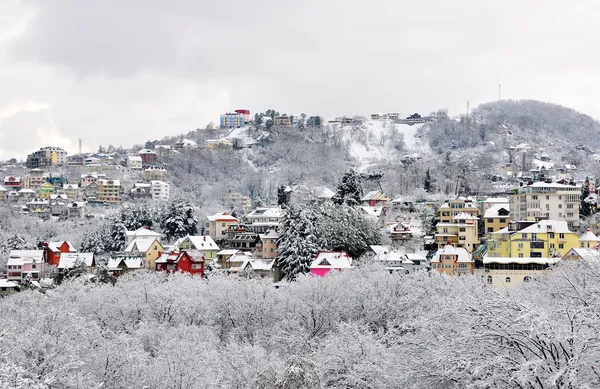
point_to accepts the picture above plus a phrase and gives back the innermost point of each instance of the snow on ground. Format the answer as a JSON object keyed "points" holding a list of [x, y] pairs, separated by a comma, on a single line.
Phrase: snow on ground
{"points": [[372, 151], [240, 133]]}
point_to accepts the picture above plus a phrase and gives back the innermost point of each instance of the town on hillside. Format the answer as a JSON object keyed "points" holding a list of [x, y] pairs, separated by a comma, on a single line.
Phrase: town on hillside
{"points": [[133, 207]]}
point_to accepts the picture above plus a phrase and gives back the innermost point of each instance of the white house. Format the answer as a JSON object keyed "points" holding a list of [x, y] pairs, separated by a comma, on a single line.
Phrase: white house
{"points": [[141, 233], [160, 190], [134, 162], [263, 219], [7, 287]]}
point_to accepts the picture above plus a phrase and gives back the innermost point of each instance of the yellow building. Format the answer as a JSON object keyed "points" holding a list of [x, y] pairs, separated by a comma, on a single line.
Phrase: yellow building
{"points": [[452, 261], [109, 191], [46, 190], [496, 218], [461, 231], [545, 239], [459, 205], [149, 249]]}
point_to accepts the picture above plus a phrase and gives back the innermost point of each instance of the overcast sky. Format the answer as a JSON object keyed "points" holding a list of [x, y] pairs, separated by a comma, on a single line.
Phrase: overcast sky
{"points": [[123, 72]]}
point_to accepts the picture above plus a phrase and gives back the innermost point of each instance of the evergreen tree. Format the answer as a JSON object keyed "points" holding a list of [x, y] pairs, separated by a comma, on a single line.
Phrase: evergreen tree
{"points": [[586, 207], [428, 182], [281, 196], [103, 275], [349, 190], [298, 244], [269, 124], [96, 240], [118, 238], [79, 269], [179, 220]]}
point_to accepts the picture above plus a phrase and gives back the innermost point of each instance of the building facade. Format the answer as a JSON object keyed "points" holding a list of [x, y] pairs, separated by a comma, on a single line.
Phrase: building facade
{"points": [[232, 120], [109, 191], [551, 201]]}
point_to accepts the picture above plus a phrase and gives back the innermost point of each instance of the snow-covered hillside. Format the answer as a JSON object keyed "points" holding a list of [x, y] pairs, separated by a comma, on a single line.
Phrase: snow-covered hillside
{"points": [[377, 141]]}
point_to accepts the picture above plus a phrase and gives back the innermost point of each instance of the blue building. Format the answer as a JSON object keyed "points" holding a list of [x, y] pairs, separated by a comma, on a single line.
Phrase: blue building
{"points": [[232, 120]]}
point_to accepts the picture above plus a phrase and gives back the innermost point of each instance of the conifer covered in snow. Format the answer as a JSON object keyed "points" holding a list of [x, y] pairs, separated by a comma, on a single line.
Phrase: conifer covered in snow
{"points": [[349, 190], [179, 219], [298, 242]]}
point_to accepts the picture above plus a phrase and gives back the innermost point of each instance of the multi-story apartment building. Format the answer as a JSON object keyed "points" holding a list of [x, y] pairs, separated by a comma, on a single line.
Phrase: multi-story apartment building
{"points": [[459, 205], [544, 239], [245, 113], [453, 261], [263, 219], [155, 173], [109, 191], [72, 191], [461, 231], [232, 120], [46, 156], [550, 201], [160, 190], [34, 179]]}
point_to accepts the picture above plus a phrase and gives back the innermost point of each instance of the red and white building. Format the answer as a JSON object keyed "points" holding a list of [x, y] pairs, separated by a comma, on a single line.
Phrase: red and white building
{"points": [[182, 262], [328, 261]]}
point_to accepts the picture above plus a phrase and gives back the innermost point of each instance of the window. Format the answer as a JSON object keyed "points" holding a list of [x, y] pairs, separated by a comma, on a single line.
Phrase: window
{"points": [[526, 279], [520, 255], [489, 279], [561, 236], [523, 236], [520, 246], [490, 229], [547, 207], [462, 229], [533, 236], [155, 247], [561, 246], [547, 197], [502, 220], [534, 197], [507, 280], [462, 265], [552, 235], [222, 224], [559, 206], [560, 198]]}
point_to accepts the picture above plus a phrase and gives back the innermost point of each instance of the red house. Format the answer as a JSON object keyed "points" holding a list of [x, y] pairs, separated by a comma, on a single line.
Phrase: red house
{"points": [[12, 182], [53, 250], [180, 262], [148, 156]]}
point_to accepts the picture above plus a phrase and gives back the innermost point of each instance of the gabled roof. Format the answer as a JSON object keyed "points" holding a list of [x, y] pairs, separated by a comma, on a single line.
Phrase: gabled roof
{"points": [[332, 260], [55, 246], [462, 254], [222, 216], [135, 158], [265, 212], [376, 195], [589, 236], [200, 243], [71, 186], [122, 263], [271, 234], [227, 252], [493, 211], [258, 264], [584, 253], [19, 257], [465, 216], [555, 226], [67, 260], [143, 232], [142, 244]]}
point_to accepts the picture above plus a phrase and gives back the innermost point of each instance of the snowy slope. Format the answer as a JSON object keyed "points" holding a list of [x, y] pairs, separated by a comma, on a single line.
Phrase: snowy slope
{"points": [[370, 142]]}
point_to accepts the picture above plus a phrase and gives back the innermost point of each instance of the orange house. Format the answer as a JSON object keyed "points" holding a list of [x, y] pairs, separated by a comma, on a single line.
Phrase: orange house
{"points": [[53, 250]]}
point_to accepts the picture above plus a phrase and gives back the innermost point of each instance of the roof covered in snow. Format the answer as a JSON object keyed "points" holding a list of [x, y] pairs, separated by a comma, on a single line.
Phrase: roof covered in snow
{"points": [[493, 211], [67, 260], [332, 260], [461, 253], [589, 236]]}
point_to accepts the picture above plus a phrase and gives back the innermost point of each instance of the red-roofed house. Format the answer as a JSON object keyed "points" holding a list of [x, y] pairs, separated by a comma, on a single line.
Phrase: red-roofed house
{"points": [[180, 262]]}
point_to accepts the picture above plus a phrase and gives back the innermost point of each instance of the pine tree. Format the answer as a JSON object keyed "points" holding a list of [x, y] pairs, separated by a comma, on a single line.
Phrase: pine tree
{"points": [[281, 196], [349, 190], [585, 209], [79, 269], [428, 182], [179, 220], [118, 237], [298, 244]]}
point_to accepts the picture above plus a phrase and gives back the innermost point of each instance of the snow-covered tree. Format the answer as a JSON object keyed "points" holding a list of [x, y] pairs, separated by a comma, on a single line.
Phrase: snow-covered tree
{"points": [[298, 244], [349, 190], [179, 219]]}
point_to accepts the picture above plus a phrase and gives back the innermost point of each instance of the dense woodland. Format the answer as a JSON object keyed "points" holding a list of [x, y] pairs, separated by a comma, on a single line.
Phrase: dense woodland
{"points": [[358, 329]]}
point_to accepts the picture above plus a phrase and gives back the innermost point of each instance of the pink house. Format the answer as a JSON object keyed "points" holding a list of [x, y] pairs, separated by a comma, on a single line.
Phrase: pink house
{"points": [[25, 264], [327, 261]]}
